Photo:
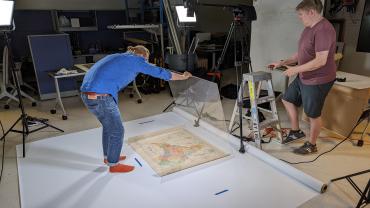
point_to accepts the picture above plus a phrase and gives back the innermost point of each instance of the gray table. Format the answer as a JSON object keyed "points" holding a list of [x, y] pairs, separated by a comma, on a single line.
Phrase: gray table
{"points": [[58, 99], [81, 71]]}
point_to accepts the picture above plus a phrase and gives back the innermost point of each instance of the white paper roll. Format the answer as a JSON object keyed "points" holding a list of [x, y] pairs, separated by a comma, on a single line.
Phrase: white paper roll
{"points": [[283, 167], [287, 169]]}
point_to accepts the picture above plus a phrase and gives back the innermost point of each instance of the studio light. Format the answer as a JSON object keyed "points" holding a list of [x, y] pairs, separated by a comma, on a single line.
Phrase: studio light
{"points": [[182, 14], [6, 13]]}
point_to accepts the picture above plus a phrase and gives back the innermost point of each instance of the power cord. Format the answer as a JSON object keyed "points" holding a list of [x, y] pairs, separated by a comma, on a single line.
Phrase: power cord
{"points": [[310, 161], [3, 156], [249, 137]]}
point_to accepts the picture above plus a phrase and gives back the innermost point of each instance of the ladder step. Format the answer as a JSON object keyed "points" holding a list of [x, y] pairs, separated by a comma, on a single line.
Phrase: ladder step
{"points": [[249, 117], [265, 99], [244, 116], [253, 82]]}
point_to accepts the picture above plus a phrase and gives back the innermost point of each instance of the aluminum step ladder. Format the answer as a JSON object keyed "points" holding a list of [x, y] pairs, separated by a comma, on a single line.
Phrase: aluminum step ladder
{"points": [[253, 82]]}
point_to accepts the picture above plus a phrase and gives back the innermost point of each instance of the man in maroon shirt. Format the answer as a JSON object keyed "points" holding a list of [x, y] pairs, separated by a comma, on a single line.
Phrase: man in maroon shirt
{"points": [[316, 72]]}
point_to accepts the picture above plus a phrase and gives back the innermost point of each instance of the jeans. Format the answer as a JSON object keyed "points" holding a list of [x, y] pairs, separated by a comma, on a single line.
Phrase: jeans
{"points": [[107, 112]]}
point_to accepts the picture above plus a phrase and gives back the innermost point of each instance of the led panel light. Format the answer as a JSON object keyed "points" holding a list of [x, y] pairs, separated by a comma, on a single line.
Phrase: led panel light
{"points": [[182, 15], [6, 13]]}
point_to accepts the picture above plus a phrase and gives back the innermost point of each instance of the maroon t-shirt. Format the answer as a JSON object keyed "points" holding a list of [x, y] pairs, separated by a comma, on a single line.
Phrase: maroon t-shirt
{"points": [[321, 37]]}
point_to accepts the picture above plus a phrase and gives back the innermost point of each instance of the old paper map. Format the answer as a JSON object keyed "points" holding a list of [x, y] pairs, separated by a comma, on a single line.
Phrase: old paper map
{"points": [[175, 149]]}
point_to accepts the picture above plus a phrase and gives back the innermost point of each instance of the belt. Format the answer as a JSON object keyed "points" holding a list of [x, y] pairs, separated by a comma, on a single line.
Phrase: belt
{"points": [[94, 95]]}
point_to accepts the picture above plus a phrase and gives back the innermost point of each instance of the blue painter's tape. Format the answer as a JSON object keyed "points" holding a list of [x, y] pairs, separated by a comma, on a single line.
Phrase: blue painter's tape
{"points": [[146, 122], [221, 192], [138, 162]]}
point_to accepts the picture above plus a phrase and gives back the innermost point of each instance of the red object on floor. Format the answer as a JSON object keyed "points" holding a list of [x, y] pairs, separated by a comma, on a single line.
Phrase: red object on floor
{"points": [[121, 168], [215, 74], [120, 158]]}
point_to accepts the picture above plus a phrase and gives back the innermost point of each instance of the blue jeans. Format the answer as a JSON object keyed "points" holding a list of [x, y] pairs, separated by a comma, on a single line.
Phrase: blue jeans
{"points": [[107, 112]]}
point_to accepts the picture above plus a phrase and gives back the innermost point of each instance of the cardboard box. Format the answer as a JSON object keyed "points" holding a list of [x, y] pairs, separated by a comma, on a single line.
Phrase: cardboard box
{"points": [[345, 103]]}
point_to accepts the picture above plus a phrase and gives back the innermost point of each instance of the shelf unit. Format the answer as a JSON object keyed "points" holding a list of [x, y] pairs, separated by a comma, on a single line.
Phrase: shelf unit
{"points": [[151, 28], [87, 20]]}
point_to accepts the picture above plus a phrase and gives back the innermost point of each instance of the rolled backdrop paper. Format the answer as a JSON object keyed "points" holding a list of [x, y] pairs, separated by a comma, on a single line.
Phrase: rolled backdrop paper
{"points": [[281, 166]]}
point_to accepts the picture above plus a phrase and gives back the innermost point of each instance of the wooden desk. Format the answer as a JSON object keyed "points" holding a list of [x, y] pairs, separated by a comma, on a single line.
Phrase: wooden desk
{"points": [[345, 103]]}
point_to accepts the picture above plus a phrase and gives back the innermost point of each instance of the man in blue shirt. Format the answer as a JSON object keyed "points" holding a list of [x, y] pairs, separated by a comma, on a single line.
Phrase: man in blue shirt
{"points": [[100, 89]]}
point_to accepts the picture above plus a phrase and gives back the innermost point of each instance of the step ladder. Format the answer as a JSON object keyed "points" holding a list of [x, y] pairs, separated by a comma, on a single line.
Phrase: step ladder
{"points": [[253, 82]]}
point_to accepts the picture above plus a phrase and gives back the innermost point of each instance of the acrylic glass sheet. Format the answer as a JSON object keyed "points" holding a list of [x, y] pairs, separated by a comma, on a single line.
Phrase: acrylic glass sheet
{"points": [[201, 99]]}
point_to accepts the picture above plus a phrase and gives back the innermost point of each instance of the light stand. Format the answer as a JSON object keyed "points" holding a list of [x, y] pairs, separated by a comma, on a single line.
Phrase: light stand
{"points": [[185, 14], [365, 115], [237, 29], [241, 14], [24, 118], [365, 194]]}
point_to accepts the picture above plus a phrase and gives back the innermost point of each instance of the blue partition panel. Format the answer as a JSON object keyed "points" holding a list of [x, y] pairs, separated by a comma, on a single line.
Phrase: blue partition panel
{"points": [[50, 53]]}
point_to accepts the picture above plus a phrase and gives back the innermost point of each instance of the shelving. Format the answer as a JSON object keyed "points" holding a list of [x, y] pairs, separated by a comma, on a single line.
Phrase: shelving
{"points": [[74, 21], [76, 29]]}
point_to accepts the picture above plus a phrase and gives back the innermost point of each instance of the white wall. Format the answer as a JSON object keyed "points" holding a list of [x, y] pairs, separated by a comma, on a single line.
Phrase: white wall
{"points": [[275, 35], [70, 4], [353, 62]]}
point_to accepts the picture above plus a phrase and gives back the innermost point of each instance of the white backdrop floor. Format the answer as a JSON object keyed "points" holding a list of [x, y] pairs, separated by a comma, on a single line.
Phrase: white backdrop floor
{"points": [[67, 171]]}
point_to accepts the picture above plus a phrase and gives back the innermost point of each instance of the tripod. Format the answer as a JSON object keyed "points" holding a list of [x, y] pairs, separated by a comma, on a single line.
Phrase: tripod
{"points": [[365, 115], [240, 35], [24, 118], [365, 194]]}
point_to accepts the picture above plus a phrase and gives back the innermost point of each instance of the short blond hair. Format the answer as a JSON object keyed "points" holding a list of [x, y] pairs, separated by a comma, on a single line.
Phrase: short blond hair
{"points": [[139, 50], [310, 4]]}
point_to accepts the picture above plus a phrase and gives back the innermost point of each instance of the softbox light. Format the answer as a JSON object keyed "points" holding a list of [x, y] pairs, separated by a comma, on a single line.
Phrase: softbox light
{"points": [[6, 13], [182, 14]]}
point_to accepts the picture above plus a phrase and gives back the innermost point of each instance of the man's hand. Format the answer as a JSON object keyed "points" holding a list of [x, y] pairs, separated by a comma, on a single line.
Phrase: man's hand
{"points": [[178, 76], [290, 71], [275, 65], [187, 75], [289, 61]]}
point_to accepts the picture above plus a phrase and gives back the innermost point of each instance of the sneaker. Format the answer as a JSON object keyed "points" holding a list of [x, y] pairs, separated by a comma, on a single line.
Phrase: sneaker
{"points": [[306, 148], [121, 168], [293, 136]]}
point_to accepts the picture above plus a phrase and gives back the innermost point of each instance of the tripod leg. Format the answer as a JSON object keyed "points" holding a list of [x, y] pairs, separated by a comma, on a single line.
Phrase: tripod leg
{"points": [[11, 128], [228, 38], [168, 106], [365, 131], [364, 199], [24, 127], [240, 105], [48, 125]]}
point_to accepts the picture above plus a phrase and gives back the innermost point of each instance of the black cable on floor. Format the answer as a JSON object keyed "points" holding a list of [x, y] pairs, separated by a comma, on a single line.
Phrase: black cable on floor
{"points": [[310, 161], [249, 139], [3, 156]]}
